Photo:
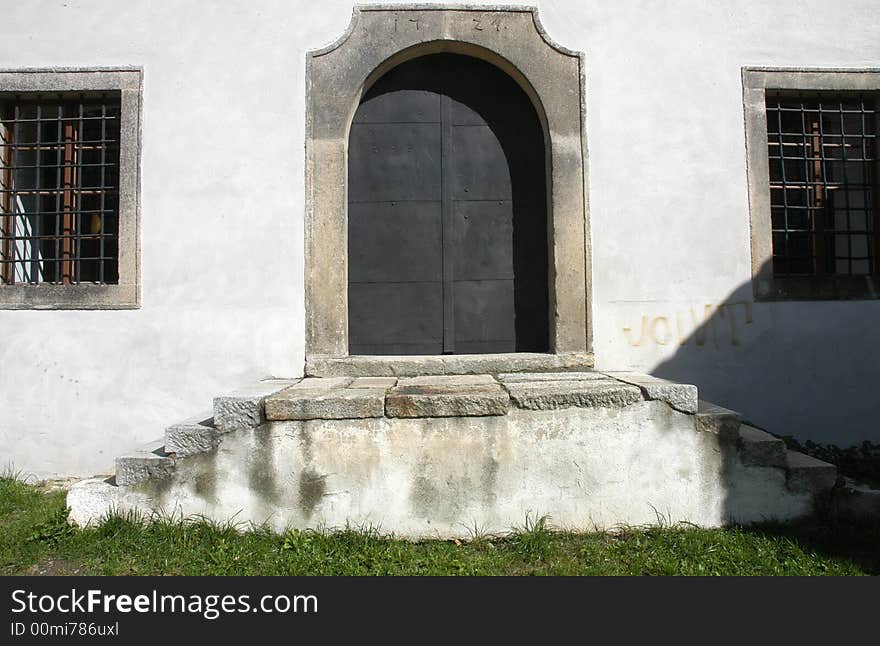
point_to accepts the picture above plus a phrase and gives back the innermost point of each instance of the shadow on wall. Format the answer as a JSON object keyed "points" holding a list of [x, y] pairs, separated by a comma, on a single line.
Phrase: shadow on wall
{"points": [[810, 369], [805, 368]]}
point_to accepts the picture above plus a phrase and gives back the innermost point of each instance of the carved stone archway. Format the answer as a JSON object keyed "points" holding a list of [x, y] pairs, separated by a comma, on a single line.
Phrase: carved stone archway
{"points": [[378, 39]]}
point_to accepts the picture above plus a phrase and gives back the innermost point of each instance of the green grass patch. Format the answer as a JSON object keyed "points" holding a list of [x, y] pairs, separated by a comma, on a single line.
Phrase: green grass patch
{"points": [[35, 538]]}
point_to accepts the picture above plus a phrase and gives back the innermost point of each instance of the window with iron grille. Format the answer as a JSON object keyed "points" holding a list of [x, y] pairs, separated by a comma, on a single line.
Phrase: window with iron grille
{"points": [[823, 183], [59, 161], [69, 151], [814, 182]]}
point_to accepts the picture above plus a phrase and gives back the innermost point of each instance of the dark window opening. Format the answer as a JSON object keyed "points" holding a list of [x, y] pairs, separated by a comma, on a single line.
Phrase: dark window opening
{"points": [[823, 184], [59, 189]]}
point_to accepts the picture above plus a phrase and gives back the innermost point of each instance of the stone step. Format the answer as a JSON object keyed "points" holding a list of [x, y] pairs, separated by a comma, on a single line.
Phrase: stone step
{"points": [[455, 396], [243, 407], [327, 398], [374, 382], [551, 391], [194, 435], [537, 377], [377, 403], [146, 463], [447, 396], [452, 364], [720, 421], [682, 397], [759, 448], [468, 395], [807, 474]]}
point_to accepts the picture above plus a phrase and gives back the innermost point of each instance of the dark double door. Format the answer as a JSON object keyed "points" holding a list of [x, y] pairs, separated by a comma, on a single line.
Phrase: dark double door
{"points": [[447, 238]]}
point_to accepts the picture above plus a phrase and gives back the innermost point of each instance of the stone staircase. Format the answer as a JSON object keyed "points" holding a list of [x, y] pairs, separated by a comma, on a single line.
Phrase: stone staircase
{"points": [[438, 455]]}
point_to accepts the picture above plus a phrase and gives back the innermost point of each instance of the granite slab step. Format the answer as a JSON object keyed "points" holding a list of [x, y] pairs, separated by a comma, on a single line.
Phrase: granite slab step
{"points": [[319, 402], [682, 397], [243, 408], [759, 448], [447, 396], [147, 463], [567, 393], [530, 377], [720, 421], [374, 382], [807, 474], [194, 435], [451, 364]]}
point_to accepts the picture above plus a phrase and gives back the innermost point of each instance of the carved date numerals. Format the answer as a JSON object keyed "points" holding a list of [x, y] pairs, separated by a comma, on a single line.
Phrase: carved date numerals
{"points": [[483, 24], [408, 24]]}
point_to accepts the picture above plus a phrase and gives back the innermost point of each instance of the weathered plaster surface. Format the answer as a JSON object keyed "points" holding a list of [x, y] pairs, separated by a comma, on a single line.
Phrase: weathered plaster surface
{"points": [[221, 227], [585, 468]]}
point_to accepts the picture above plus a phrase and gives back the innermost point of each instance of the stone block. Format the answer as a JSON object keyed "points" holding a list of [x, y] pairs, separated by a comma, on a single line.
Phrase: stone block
{"points": [[149, 463], [448, 381], [194, 435], [90, 501], [452, 364], [682, 397], [528, 377], [592, 393], [374, 382], [757, 448], [322, 383], [321, 403], [243, 408], [807, 474], [711, 418], [451, 396]]}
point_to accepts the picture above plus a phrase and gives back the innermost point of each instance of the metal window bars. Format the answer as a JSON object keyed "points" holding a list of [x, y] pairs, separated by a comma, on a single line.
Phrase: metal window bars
{"points": [[59, 180], [823, 183]]}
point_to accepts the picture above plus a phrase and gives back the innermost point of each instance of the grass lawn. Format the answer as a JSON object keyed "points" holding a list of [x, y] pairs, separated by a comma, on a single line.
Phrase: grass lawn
{"points": [[36, 539]]}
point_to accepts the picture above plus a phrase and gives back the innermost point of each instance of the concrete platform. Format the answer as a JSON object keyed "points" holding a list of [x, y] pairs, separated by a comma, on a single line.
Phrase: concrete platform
{"points": [[445, 455]]}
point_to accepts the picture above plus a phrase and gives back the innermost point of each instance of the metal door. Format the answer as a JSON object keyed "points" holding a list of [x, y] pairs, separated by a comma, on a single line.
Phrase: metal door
{"points": [[447, 224]]}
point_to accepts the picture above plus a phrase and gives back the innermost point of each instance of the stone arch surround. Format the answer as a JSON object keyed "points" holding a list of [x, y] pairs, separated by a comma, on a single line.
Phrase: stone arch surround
{"points": [[378, 39]]}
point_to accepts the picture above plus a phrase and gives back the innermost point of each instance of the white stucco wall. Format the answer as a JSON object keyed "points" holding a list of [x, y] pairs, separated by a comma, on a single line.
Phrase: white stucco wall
{"points": [[222, 215], [669, 209]]}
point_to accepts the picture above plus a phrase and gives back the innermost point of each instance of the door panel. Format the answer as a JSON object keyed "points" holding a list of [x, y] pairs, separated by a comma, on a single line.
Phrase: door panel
{"points": [[403, 106], [482, 226], [447, 213], [399, 316], [484, 313], [479, 169], [394, 161], [394, 242]]}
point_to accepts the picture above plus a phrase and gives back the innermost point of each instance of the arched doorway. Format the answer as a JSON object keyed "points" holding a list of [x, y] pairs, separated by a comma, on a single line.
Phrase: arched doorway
{"points": [[447, 213]]}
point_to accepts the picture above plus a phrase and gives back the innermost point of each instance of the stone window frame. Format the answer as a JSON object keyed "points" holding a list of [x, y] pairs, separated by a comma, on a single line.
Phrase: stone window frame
{"points": [[756, 82], [380, 37], [126, 294]]}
